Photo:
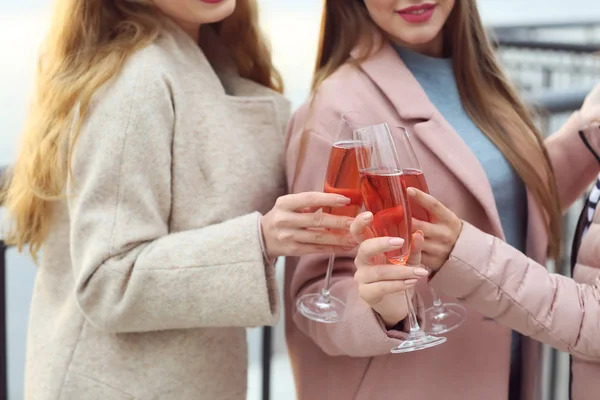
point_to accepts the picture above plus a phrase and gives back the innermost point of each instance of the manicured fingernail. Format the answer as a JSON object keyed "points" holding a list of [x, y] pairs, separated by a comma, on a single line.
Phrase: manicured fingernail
{"points": [[396, 241], [353, 241], [367, 216], [421, 272], [411, 281], [411, 192], [343, 200]]}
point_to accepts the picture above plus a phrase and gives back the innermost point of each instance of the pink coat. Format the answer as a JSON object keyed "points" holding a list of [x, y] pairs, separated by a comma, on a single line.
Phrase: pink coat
{"points": [[351, 359]]}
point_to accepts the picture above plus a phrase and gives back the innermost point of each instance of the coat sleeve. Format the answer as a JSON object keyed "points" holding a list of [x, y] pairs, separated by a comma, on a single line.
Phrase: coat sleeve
{"points": [[500, 282], [131, 273]]}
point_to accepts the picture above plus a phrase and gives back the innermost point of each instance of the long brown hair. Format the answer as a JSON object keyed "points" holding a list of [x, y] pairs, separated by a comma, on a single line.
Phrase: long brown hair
{"points": [[486, 93], [88, 44]]}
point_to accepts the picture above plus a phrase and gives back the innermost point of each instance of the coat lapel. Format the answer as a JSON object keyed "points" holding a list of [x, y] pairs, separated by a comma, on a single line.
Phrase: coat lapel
{"points": [[208, 55], [387, 71]]}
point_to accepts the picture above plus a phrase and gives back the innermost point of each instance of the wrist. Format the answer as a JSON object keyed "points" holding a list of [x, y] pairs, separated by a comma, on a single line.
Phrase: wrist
{"points": [[392, 324], [392, 320], [269, 259], [458, 227]]}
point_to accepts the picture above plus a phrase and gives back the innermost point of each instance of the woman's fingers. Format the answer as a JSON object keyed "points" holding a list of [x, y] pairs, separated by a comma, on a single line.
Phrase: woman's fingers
{"points": [[292, 228], [361, 227], [300, 249], [322, 237], [434, 256], [416, 247], [438, 210], [310, 201], [434, 232], [313, 220], [434, 248], [426, 227], [371, 248], [379, 273], [373, 293]]}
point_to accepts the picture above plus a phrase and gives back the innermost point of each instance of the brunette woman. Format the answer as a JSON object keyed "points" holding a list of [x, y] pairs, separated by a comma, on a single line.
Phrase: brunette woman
{"points": [[430, 68]]}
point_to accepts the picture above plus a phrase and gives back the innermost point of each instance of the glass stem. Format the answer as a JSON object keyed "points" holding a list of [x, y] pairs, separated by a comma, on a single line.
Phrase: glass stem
{"points": [[325, 291], [437, 301], [412, 317]]}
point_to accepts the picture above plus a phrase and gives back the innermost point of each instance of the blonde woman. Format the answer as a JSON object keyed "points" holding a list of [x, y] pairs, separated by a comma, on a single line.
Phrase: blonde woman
{"points": [[428, 66], [154, 144]]}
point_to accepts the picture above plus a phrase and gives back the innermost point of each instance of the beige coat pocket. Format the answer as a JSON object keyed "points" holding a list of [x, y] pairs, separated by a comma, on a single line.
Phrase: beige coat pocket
{"points": [[78, 387]]}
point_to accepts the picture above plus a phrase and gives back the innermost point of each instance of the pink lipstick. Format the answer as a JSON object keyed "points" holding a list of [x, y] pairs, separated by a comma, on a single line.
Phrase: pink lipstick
{"points": [[417, 14]]}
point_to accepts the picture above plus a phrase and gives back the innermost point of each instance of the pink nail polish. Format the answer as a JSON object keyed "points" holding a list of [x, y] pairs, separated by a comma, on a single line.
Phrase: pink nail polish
{"points": [[396, 241]]}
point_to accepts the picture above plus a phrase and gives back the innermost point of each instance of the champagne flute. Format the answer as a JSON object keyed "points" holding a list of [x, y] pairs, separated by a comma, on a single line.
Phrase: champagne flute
{"points": [[440, 317], [341, 178], [384, 194]]}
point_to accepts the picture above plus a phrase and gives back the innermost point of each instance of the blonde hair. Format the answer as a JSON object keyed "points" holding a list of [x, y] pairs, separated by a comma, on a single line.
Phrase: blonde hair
{"points": [[486, 94], [88, 44]]}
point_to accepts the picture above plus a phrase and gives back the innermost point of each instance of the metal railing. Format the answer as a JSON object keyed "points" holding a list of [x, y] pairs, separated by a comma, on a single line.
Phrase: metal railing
{"points": [[535, 70], [548, 45], [558, 102], [550, 57], [535, 33], [3, 330], [3, 342]]}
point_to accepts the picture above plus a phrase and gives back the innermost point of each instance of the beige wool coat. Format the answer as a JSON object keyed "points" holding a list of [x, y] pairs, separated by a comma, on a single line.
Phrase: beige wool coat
{"points": [[153, 266]]}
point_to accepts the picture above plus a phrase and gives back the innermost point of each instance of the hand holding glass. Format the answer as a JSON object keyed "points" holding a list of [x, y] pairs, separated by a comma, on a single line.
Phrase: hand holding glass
{"points": [[441, 317], [384, 194], [341, 178]]}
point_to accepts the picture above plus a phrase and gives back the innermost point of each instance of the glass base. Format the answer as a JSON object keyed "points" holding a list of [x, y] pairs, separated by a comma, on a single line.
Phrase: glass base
{"points": [[444, 318], [319, 308], [418, 341]]}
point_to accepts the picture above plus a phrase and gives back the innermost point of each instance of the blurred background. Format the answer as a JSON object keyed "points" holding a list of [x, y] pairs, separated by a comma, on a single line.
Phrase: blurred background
{"points": [[547, 46]]}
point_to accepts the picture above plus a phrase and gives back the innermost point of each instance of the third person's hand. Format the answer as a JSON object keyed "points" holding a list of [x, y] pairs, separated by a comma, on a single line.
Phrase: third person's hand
{"points": [[441, 234]]}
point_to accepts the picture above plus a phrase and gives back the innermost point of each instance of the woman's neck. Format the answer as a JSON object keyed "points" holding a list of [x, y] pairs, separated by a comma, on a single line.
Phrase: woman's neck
{"points": [[433, 48], [192, 30]]}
